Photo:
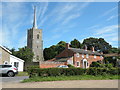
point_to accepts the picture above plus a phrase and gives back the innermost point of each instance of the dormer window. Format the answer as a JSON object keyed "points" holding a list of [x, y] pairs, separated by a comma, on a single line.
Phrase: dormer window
{"points": [[77, 55]]}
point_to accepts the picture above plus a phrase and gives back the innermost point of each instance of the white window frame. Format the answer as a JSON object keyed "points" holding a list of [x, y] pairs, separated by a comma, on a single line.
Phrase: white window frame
{"points": [[82, 55], [5, 62], [101, 56], [77, 55], [94, 56], [77, 64], [17, 64], [87, 55]]}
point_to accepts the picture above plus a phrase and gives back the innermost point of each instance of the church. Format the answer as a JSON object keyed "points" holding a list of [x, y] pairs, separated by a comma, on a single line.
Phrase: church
{"points": [[74, 56], [34, 40]]}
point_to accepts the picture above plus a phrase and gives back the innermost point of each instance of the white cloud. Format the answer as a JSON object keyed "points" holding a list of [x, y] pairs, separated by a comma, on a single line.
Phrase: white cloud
{"points": [[109, 33], [107, 29], [71, 17], [109, 11], [112, 17], [62, 11]]}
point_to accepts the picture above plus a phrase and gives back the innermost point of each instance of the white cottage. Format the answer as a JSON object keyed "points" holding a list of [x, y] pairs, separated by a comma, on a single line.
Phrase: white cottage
{"points": [[17, 62]]}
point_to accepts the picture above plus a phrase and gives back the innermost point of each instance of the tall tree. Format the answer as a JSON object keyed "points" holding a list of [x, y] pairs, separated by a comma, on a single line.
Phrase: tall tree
{"points": [[98, 43], [54, 50], [75, 44], [24, 53]]}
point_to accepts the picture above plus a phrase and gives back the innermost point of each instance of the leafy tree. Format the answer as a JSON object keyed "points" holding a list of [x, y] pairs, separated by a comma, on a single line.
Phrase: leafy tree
{"points": [[75, 44], [54, 50], [24, 53], [114, 50], [49, 53], [98, 43], [60, 46]]}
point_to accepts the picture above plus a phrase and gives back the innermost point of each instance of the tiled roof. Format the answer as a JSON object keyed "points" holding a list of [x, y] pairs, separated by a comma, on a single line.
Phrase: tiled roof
{"points": [[61, 60], [82, 51]]}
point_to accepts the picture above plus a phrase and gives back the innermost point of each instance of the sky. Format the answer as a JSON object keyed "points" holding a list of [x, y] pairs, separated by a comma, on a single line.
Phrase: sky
{"points": [[59, 21]]}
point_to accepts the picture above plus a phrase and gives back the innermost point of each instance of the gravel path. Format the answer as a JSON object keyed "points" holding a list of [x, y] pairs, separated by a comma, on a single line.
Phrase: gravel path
{"points": [[65, 84]]}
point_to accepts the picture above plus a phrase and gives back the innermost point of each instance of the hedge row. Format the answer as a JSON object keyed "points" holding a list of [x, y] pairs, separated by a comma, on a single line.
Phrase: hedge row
{"points": [[71, 71]]}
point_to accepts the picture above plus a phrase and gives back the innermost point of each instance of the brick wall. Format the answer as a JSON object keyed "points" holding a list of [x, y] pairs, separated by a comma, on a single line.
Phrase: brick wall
{"points": [[48, 64], [90, 59]]}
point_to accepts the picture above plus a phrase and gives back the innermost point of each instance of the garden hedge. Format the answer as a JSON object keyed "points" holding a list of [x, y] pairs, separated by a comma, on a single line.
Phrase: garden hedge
{"points": [[71, 71]]}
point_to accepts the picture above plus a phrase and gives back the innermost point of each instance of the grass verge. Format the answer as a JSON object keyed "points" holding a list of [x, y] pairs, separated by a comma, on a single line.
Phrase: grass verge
{"points": [[62, 78], [22, 74]]}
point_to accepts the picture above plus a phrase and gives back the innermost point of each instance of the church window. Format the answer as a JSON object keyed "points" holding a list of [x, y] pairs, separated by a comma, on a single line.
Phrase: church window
{"points": [[37, 36], [37, 57]]}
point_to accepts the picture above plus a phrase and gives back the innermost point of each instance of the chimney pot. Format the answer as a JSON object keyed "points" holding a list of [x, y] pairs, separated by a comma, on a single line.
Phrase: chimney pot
{"points": [[85, 47], [67, 46], [93, 49]]}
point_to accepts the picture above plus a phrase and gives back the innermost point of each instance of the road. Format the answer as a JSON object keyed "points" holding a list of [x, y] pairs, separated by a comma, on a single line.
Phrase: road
{"points": [[12, 79], [65, 84], [14, 82]]}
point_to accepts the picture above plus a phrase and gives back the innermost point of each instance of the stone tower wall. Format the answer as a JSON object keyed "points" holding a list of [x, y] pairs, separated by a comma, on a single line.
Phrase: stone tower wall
{"points": [[35, 43]]}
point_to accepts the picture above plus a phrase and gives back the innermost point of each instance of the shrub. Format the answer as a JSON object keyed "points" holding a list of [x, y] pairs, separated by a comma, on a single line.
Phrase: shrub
{"points": [[95, 64], [70, 66], [71, 71]]}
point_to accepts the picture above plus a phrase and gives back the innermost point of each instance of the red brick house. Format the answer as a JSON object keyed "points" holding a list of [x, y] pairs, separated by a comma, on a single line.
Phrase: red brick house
{"points": [[74, 56]]}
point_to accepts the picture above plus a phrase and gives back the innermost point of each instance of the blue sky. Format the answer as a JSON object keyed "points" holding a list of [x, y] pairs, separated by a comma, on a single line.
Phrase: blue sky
{"points": [[59, 21]]}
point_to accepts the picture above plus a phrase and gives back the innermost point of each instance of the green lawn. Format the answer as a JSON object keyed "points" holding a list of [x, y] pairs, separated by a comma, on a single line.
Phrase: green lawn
{"points": [[62, 78], [22, 74]]}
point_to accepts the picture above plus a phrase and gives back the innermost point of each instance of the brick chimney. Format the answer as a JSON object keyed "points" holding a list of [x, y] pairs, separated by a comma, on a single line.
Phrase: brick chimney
{"points": [[93, 49], [67, 46], [85, 47]]}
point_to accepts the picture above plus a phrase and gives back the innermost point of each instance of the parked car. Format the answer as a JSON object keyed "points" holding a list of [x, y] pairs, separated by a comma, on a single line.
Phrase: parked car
{"points": [[8, 70], [62, 66]]}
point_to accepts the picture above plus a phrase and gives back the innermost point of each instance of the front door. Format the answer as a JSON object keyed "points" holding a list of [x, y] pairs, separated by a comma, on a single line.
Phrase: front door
{"points": [[85, 64]]}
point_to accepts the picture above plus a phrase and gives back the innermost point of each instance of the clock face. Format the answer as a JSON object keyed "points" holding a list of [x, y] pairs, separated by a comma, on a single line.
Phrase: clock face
{"points": [[77, 55]]}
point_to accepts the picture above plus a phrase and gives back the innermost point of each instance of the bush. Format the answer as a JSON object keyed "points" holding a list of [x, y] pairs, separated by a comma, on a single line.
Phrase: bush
{"points": [[70, 66], [95, 64], [71, 71], [55, 71]]}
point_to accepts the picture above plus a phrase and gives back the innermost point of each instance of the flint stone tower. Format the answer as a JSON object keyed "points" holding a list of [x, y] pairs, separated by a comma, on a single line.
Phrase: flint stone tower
{"points": [[34, 40]]}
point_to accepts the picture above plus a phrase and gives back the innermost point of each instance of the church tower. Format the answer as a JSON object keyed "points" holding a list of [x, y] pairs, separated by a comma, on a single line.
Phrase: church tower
{"points": [[34, 40]]}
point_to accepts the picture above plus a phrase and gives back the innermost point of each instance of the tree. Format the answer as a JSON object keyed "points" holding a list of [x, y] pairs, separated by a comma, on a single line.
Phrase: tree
{"points": [[114, 50], [49, 53], [75, 44], [53, 50], [60, 47], [24, 53], [98, 43]]}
